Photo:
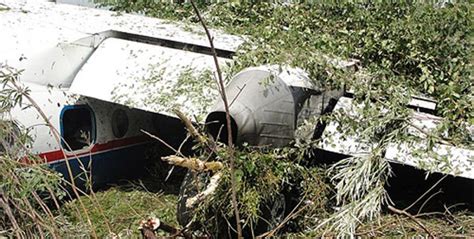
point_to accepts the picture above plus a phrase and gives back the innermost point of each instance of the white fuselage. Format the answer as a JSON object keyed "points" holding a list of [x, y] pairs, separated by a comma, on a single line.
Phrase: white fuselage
{"points": [[74, 60]]}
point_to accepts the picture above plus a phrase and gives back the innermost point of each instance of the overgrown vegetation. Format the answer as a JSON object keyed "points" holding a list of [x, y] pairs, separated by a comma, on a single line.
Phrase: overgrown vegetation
{"points": [[265, 178], [403, 48], [29, 196], [35, 201], [124, 207]]}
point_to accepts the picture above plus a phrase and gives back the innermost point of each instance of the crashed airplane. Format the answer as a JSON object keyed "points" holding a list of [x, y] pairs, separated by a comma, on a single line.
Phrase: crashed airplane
{"points": [[103, 78], [79, 63]]}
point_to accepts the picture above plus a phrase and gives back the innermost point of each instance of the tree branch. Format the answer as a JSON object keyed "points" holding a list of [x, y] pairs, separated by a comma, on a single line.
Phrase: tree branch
{"points": [[227, 116], [193, 163]]}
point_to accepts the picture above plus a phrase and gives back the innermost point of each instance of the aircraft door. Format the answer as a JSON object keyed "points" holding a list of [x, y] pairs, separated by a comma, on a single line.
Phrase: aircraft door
{"points": [[77, 127]]}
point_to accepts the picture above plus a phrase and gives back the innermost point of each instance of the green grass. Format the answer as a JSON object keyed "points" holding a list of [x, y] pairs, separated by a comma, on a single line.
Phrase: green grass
{"points": [[123, 208]]}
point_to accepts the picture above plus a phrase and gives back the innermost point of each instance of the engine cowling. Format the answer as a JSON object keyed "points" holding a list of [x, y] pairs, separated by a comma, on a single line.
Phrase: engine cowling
{"points": [[265, 105]]}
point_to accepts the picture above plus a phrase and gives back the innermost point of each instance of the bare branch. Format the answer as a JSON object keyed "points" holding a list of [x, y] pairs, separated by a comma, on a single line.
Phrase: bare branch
{"points": [[210, 189], [193, 163], [229, 127], [189, 125], [402, 212]]}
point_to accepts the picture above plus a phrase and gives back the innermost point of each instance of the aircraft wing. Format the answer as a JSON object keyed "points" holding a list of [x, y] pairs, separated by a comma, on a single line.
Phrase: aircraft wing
{"points": [[446, 159], [149, 77]]}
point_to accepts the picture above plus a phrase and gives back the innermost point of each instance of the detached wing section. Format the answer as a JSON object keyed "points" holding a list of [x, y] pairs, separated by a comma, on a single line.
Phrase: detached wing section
{"points": [[414, 151], [149, 77]]}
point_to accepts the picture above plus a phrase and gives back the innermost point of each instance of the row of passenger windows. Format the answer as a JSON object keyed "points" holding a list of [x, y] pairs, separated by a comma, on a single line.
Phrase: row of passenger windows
{"points": [[78, 126]]}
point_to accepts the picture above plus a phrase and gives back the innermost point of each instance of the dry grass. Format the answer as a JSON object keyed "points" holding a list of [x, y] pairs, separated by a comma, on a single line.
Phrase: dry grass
{"points": [[451, 225]]}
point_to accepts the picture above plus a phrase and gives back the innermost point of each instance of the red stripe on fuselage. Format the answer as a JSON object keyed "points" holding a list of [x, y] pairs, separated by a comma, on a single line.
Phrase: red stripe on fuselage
{"points": [[96, 148]]}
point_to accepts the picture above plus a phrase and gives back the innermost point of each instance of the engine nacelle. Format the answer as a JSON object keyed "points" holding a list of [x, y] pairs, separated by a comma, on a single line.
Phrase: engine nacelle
{"points": [[266, 103]]}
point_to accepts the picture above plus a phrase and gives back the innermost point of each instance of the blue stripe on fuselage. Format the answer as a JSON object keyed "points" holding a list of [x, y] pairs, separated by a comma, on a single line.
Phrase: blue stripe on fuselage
{"points": [[106, 167]]}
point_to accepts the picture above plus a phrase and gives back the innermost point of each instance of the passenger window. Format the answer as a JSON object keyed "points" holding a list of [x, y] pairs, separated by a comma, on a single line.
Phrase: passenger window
{"points": [[77, 127]]}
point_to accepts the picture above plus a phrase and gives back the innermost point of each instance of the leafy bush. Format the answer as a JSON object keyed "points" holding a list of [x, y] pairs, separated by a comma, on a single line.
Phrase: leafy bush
{"points": [[404, 49], [26, 193], [263, 178]]}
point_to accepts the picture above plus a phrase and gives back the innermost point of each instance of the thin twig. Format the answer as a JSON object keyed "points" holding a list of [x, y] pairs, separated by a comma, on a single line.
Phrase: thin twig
{"points": [[163, 142], [291, 215], [9, 213], [189, 125], [424, 194], [402, 212], [358, 234], [421, 130], [211, 144], [427, 200], [237, 95]]}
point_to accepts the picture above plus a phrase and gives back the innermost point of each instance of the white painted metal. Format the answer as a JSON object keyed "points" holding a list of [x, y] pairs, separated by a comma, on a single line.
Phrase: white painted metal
{"points": [[262, 106], [56, 45], [133, 74], [50, 43], [444, 158], [30, 27], [52, 102]]}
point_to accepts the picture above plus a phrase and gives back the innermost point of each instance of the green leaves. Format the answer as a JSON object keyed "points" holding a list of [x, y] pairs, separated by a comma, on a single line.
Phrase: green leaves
{"points": [[404, 49]]}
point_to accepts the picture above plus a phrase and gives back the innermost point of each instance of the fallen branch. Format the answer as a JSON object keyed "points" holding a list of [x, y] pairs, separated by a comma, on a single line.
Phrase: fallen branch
{"points": [[189, 125], [210, 189], [198, 166], [402, 212], [193, 163]]}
